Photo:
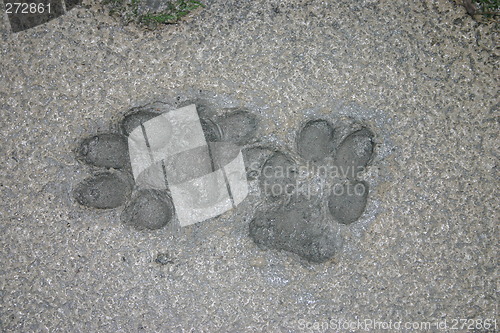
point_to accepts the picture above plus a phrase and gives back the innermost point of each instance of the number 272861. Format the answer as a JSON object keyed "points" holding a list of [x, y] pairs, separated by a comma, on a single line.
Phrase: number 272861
{"points": [[27, 8]]}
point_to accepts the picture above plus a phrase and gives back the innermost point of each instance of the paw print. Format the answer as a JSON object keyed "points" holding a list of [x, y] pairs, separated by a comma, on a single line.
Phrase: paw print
{"points": [[305, 193], [309, 193], [112, 184]]}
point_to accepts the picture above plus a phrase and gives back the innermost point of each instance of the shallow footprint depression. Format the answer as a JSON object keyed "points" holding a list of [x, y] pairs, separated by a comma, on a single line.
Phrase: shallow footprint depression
{"points": [[107, 150], [103, 191], [150, 209], [315, 140], [298, 228]]}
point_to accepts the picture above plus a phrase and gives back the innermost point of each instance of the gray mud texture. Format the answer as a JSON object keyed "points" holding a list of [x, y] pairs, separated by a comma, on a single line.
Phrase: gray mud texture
{"points": [[355, 152], [135, 119], [105, 150], [422, 76], [315, 141], [254, 158], [141, 114], [149, 209], [238, 126], [103, 191], [298, 227], [347, 202], [211, 130], [278, 176]]}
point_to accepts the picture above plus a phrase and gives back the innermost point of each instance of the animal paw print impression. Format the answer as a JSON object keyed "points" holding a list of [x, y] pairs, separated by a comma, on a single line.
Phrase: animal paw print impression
{"points": [[148, 200], [310, 192], [306, 193]]}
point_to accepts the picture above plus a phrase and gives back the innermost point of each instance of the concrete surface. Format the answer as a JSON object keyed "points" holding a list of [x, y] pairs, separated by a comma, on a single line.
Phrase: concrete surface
{"points": [[423, 75]]}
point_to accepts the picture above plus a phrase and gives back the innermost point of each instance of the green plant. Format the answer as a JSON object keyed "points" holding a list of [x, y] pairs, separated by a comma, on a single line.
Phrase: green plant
{"points": [[129, 11], [486, 8], [174, 12]]}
